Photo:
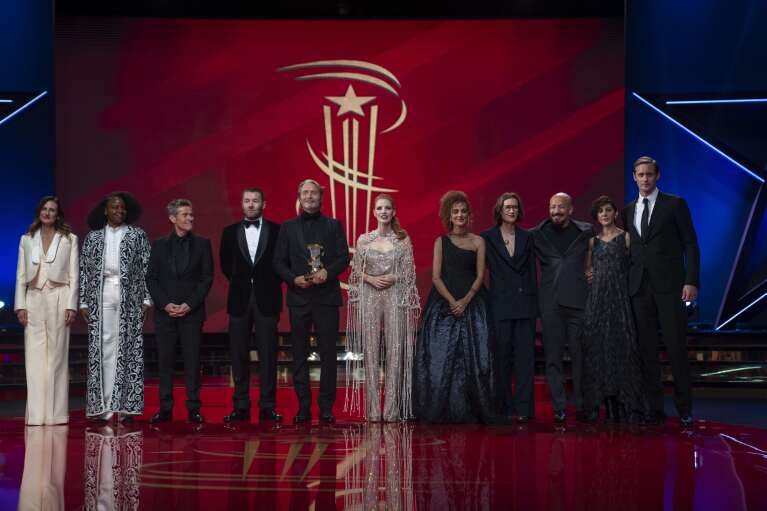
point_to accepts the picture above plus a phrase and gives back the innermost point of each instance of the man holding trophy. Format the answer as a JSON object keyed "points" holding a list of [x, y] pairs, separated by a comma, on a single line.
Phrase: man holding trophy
{"points": [[311, 253]]}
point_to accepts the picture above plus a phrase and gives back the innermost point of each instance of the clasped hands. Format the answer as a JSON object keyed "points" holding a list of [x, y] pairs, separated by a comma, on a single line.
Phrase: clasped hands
{"points": [[458, 307], [315, 279], [380, 281], [177, 311]]}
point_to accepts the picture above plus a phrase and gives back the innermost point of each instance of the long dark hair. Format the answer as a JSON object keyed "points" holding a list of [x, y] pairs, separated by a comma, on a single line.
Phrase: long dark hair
{"points": [[395, 226], [60, 226]]}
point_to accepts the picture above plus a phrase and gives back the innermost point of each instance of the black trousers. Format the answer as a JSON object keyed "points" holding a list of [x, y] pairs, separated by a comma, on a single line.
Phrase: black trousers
{"points": [[169, 331], [324, 318], [667, 310], [562, 327], [515, 354], [240, 331]]}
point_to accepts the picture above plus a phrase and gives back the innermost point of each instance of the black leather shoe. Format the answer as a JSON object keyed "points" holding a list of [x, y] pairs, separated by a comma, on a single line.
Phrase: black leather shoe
{"points": [[195, 417], [269, 415], [237, 415], [161, 416], [686, 421], [302, 418], [559, 417], [524, 419], [328, 418]]}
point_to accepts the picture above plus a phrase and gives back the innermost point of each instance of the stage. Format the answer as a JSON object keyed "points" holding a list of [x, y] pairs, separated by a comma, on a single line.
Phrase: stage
{"points": [[355, 465]]}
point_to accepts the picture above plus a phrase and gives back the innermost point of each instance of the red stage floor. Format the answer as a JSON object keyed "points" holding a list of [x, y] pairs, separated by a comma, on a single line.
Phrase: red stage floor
{"points": [[352, 465]]}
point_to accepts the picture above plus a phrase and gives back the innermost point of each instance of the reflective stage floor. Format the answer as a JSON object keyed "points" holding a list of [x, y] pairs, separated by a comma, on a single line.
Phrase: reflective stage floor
{"points": [[353, 465]]}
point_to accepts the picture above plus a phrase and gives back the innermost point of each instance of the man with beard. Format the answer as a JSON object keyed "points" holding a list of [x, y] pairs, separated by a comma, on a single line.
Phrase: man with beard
{"points": [[561, 244], [254, 303], [314, 294]]}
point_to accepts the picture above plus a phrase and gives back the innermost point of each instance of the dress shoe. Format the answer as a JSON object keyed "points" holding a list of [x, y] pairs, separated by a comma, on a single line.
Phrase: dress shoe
{"points": [[686, 421], [523, 419], [195, 417], [269, 415], [559, 417], [161, 416], [237, 415], [302, 418], [327, 418]]}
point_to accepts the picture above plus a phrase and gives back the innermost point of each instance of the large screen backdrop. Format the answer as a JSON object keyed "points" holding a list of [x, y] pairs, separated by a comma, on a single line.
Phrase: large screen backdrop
{"points": [[202, 109]]}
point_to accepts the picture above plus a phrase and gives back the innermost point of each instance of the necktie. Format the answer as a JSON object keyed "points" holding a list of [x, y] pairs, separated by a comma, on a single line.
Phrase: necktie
{"points": [[254, 223], [645, 223]]}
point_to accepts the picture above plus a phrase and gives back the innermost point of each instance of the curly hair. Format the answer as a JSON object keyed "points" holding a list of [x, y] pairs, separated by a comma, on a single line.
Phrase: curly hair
{"points": [[599, 203], [96, 218], [60, 225], [446, 204]]}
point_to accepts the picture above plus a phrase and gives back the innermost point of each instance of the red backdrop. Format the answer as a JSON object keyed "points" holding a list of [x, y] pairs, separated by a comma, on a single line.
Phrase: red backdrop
{"points": [[198, 109]]}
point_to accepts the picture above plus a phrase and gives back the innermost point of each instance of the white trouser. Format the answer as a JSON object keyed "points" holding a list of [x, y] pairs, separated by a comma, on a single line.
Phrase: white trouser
{"points": [[46, 356], [45, 463], [110, 337]]}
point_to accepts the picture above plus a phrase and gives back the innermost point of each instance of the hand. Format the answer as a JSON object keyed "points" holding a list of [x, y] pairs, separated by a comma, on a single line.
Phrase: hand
{"points": [[320, 277], [172, 309], [378, 281], [301, 282], [390, 279], [459, 307], [84, 314], [689, 293], [145, 308], [589, 276], [183, 310], [69, 316], [21, 314]]}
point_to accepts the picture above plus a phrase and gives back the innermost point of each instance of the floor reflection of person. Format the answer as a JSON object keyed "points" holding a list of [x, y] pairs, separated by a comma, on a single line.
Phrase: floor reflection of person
{"points": [[112, 468], [46, 305], [45, 463], [382, 318]]}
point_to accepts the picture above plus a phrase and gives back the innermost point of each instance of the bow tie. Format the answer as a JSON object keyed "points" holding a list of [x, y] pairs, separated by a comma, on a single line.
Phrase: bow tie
{"points": [[253, 223]]}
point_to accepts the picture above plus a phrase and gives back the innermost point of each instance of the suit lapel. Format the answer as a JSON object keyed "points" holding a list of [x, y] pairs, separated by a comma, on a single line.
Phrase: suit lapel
{"points": [[658, 213], [242, 242], [263, 239], [170, 255], [497, 238], [581, 230]]}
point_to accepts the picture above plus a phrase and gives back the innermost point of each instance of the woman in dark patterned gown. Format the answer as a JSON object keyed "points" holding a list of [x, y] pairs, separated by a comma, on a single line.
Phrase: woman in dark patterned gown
{"points": [[611, 359], [453, 366]]}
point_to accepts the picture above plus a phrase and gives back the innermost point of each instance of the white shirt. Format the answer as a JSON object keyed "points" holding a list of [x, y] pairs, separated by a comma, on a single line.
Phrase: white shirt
{"points": [[252, 235], [113, 236], [640, 209]]}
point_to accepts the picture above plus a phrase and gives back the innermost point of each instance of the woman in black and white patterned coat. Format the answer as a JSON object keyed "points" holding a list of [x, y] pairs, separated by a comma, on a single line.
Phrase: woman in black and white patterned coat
{"points": [[113, 300]]}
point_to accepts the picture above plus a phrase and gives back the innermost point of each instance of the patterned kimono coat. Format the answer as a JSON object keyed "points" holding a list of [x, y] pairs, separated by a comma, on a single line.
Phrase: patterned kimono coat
{"points": [[128, 393]]}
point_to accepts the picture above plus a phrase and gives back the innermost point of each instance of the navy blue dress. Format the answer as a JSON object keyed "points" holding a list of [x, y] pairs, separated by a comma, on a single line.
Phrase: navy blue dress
{"points": [[452, 380]]}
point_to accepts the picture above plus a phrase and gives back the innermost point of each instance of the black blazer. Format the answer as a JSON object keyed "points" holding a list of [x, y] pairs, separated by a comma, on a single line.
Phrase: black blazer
{"points": [[244, 276], [669, 250], [563, 278], [168, 283], [290, 261], [513, 288]]}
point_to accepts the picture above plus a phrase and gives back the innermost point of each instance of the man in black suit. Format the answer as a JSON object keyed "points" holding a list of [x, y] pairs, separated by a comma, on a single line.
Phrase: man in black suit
{"points": [[664, 273], [514, 304], [312, 300], [179, 277], [561, 245], [254, 301]]}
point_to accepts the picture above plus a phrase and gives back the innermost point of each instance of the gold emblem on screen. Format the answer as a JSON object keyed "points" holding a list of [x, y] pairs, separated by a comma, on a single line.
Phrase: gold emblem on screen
{"points": [[350, 115]]}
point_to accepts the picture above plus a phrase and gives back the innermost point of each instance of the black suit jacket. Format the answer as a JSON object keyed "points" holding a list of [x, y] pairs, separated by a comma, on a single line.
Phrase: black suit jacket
{"points": [[290, 261], [669, 251], [513, 285], [563, 279], [245, 276], [168, 283]]}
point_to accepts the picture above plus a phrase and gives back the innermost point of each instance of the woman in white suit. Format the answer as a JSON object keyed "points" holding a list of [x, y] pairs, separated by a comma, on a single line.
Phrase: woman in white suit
{"points": [[46, 304]]}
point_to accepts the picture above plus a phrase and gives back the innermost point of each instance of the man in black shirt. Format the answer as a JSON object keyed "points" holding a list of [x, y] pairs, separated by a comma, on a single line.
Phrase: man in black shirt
{"points": [[561, 244]]}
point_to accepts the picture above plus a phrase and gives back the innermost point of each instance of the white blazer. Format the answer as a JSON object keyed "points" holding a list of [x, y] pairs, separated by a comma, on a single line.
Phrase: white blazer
{"points": [[63, 268]]}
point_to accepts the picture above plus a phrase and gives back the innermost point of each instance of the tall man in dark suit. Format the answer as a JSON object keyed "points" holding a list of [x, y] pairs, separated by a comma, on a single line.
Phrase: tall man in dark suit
{"points": [[254, 301], [514, 304], [313, 300], [179, 277], [664, 273], [561, 244]]}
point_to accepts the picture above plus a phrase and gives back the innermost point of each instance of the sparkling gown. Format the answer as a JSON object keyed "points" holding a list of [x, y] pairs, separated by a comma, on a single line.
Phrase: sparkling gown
{"points": [[611, 363], [453, 366], [381, 324]]}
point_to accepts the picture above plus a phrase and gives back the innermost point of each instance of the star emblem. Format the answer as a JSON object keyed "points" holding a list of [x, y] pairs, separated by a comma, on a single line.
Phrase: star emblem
{"points": [[350, 102]]}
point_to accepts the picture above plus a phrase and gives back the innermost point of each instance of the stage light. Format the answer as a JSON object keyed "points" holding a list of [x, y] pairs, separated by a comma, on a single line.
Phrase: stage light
{"points": [[741, 311], [715, 101], [23, 107], [6, 101], [2, 304], [698, 137]]}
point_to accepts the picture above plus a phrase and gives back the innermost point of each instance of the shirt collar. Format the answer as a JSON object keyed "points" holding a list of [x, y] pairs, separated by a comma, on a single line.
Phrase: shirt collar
{"points": [[652, 197]]}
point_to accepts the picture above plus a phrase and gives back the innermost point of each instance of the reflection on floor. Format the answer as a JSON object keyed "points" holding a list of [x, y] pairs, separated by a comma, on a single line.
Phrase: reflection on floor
{"points": [[353, 465]]}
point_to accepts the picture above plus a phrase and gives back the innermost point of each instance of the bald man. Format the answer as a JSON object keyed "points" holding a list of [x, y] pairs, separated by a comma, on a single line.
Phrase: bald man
{"points": [[561, 244]]}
